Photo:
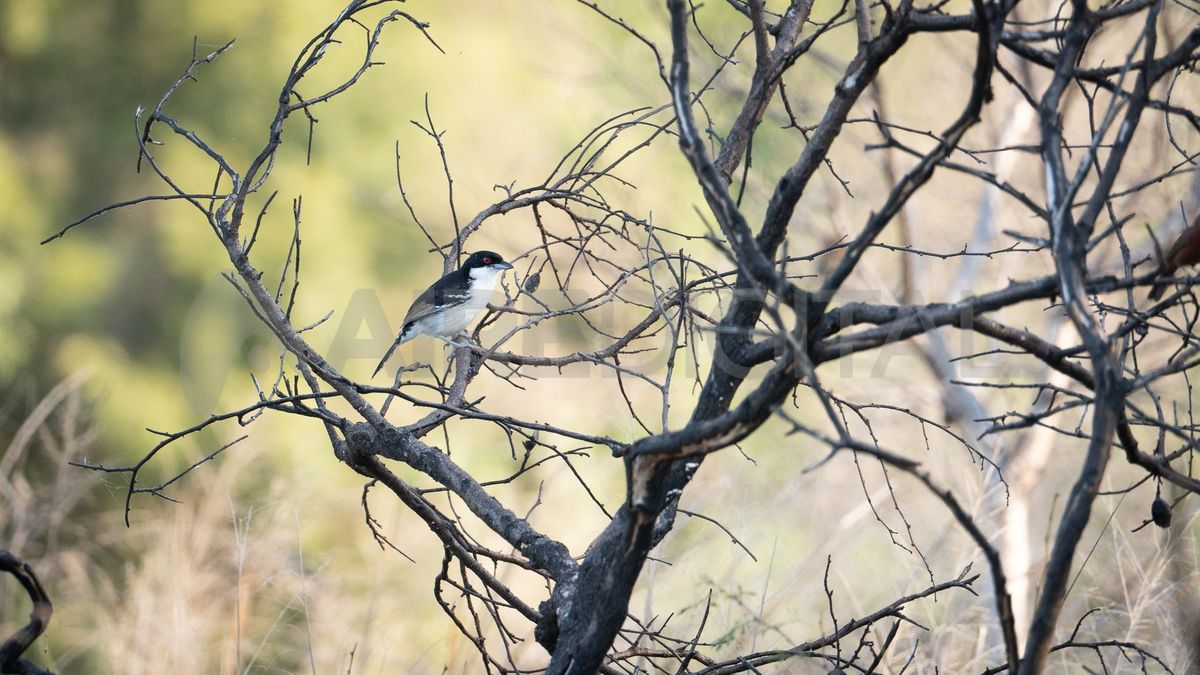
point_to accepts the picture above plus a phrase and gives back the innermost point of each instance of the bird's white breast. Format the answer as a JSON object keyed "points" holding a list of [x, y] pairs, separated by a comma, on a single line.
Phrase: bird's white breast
{"points": [[483, 284]]}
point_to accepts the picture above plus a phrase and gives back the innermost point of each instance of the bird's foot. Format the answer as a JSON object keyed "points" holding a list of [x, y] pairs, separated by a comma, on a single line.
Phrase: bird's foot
{"points": [[460, 340]]}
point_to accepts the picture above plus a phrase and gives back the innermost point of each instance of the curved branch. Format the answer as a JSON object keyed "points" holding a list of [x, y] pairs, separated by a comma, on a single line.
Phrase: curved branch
{"points": [[12, 648]]}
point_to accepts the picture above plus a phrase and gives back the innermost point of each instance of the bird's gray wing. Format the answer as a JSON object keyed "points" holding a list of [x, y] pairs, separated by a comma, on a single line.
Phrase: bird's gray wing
{"points": [[436, 297], [444, 293]]}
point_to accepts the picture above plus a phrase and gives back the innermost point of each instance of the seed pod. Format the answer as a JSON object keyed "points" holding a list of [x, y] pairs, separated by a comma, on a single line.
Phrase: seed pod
{"points": [[1160, 512], [532, 282], [529, 443]]}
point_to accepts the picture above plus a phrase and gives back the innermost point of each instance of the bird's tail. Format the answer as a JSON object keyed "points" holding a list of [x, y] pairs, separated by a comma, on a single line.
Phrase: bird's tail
{"points": [[404, 336], [1160, 284]]}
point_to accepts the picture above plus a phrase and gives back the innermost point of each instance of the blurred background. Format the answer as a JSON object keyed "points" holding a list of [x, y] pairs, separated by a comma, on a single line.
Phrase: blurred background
{"points": [[264, 562]]}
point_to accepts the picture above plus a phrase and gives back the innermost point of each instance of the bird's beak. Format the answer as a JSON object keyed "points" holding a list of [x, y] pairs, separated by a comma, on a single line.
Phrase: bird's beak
{"points": [[502, 266]]}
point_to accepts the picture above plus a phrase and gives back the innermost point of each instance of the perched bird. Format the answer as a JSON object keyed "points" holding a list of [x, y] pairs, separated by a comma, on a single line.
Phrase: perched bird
{"points": [[452, 302], [1185, 251]]}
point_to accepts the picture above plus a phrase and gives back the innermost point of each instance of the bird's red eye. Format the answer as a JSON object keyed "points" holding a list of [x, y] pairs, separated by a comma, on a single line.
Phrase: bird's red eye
{"points": [[488, 261]]}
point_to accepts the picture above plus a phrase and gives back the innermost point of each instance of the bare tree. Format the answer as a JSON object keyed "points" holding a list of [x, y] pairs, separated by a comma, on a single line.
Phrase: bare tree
{"points": [[1067, 197]]}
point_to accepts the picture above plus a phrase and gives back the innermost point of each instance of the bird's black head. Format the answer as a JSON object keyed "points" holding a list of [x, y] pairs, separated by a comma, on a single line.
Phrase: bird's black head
{"points": [[480, 259]]}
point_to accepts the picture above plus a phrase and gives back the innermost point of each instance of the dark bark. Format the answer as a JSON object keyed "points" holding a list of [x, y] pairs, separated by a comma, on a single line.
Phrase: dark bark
{"points": [[11, 650]]}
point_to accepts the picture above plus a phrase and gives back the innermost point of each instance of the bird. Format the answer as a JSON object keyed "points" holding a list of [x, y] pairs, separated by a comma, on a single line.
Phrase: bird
{"points": [[448, 306], [1185, 251]]}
